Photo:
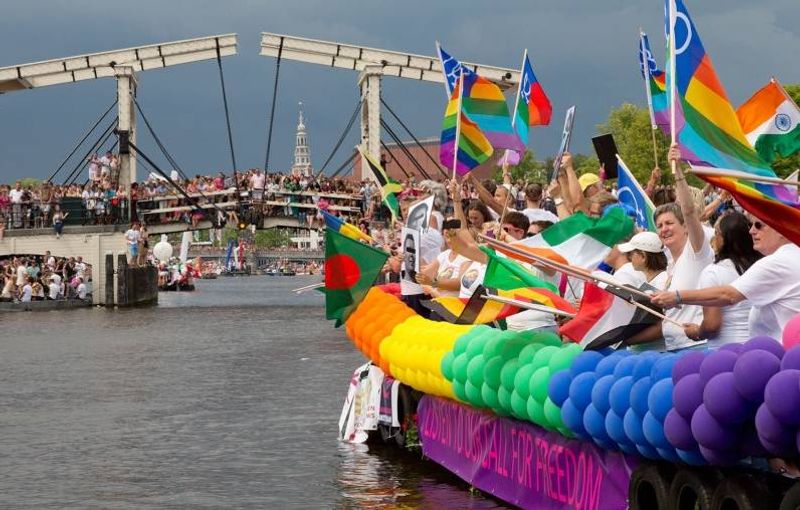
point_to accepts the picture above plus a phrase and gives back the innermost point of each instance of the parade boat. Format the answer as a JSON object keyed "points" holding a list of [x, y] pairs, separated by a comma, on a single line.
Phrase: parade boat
{"points": [[45, 305]]}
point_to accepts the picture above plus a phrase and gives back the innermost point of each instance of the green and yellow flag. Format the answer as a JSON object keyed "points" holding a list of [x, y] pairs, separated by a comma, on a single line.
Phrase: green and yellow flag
{"points": [[389, 188], [351, 268]]}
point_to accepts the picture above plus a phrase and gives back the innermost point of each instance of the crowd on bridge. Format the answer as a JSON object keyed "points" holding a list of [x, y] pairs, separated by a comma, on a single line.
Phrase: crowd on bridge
{"points": [[40, 278]]}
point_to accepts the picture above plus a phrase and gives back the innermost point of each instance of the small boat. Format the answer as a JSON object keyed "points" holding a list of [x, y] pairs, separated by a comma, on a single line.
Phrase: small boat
{"points": [[182, 287]]}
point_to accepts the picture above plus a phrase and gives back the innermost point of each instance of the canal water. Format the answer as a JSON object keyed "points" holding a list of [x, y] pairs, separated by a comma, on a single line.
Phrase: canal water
{"points": [[227, 397]]}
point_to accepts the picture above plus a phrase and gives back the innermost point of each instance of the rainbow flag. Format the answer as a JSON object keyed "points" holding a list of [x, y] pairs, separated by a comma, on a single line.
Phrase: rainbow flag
{"points": [[771, 122], [337, 224], [655, 86], [462, 136], [774, 204], [707, 128]]}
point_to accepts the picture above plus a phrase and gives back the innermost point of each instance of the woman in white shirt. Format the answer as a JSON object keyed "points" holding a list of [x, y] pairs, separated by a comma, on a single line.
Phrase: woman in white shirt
{"points": [[734, 255]]}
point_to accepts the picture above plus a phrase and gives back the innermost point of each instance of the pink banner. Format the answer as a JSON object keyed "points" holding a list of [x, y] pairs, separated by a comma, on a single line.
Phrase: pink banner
{"points": [[521, 463]]}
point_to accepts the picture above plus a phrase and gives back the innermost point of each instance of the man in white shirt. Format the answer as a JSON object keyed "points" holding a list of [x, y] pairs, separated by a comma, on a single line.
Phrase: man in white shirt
{"points": [[15, 196], [132, 240], [772, 285], [26, 292], [22, 272], [81, 290], [257, 182], [54, 289]]}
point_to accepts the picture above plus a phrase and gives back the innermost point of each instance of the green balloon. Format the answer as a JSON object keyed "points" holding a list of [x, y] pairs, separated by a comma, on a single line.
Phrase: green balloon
{"points": [[459, 391], [565, 432], [493, 347], [460, 347], [528, 352], [553, 414], [542, 358], [547, 338], [504, 398], [519, 406], [489, 396], [475, 370], [474, 395], [491, 371], [536, 412], [460, 368], [447, 365], [476, 345], [563, 358], [508, 374], [521, 380], [513, 345], [538, 384]]}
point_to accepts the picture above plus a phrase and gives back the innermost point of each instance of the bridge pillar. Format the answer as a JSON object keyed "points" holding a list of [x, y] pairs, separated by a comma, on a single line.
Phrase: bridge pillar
{"points": [[126, 89], [370, 83]]}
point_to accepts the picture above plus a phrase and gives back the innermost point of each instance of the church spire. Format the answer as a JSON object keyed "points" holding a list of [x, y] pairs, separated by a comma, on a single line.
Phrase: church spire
{"points": [[302, 156]]}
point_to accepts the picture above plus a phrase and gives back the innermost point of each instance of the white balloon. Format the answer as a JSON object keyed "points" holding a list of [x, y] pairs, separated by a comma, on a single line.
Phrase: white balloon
{"points": [[162, 251]]}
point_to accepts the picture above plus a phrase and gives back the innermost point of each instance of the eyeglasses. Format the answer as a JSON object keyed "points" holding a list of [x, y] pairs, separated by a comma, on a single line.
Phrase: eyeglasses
{"points": [[757, 224]]}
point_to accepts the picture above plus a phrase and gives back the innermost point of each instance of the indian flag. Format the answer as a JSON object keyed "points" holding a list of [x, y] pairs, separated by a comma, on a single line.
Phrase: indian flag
{"points": [[771, 122], [580, 240]]}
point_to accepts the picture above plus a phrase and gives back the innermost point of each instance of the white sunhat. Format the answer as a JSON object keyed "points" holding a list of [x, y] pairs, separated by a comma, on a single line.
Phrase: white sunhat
{"points": [[644, 241]]}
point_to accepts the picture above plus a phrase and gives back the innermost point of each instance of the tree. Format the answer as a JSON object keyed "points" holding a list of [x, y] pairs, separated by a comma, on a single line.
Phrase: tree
{"points": [[529, 169], [633, 134], [272, 238]]}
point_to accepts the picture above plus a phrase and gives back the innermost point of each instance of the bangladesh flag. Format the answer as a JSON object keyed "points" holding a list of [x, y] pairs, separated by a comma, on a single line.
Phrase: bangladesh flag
{"points": [[351, 268]]}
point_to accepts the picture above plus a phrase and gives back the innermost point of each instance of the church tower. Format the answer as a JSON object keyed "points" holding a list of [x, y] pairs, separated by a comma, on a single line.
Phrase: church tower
{"points": [[302, 158]]}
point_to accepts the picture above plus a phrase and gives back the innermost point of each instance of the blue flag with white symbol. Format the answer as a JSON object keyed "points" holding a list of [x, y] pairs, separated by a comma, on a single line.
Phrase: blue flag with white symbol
{"points": [[452, 69], [631, 194]]}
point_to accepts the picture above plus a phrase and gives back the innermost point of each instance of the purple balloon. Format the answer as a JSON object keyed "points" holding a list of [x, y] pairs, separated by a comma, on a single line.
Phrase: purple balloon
{"points": [[737, 348], [717, 363], [788, 449], [782, 396], [764, 343], [791, 360], [678, 431], [751, 446], [711, 433], [723, 401], [687, 395], [718, 457], [688, 364], [752, 371], [769, 428], [659, 401]]}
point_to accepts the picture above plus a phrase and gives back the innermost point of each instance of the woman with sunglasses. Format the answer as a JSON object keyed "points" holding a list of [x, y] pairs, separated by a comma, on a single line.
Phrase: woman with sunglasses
{"points": [[771, 285], [734, 255]]}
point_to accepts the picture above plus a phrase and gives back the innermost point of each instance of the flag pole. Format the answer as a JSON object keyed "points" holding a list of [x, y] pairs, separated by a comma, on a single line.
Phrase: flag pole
{"points": [[714, 172], [528, 306], [672, 81], [458, 122], [648, 92]]}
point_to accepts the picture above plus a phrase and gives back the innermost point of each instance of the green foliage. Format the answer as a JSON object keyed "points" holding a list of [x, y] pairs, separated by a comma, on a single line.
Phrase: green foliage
{"points": [[633, 135], [529, 169], [29, 181], [271, 238]]}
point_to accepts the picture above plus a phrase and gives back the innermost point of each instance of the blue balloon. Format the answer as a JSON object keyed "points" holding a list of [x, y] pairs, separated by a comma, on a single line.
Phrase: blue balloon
{"points": [[628, 448], [645, 364], [626, 366], [659, 401], [691, 457], [558, 387], [615, 428], [668, 454], [607, 364], [654, 432], [639, 393], [633, 427], [620, 395], [573, 419], [595, 424], [580, 390], [585, 362], [600, 393], [648, 451], [663, 367]]}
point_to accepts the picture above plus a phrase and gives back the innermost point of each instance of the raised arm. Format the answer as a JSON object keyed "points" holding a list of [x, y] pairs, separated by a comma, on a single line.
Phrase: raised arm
{"points": [[691, 216]]}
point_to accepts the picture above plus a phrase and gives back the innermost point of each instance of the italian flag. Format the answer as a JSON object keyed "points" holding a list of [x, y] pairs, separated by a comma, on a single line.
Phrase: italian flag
{"points": [[771, 122], [580, 240]]}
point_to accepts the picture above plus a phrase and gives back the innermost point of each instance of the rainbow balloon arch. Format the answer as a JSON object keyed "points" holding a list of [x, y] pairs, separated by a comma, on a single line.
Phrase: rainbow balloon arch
{"points": [[697, 407]]}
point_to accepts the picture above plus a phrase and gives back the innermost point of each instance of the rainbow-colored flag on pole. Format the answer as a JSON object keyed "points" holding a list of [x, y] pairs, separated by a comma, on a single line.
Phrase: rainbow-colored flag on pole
{"points": [[703, 121], [655, 86], [463, 146]]}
